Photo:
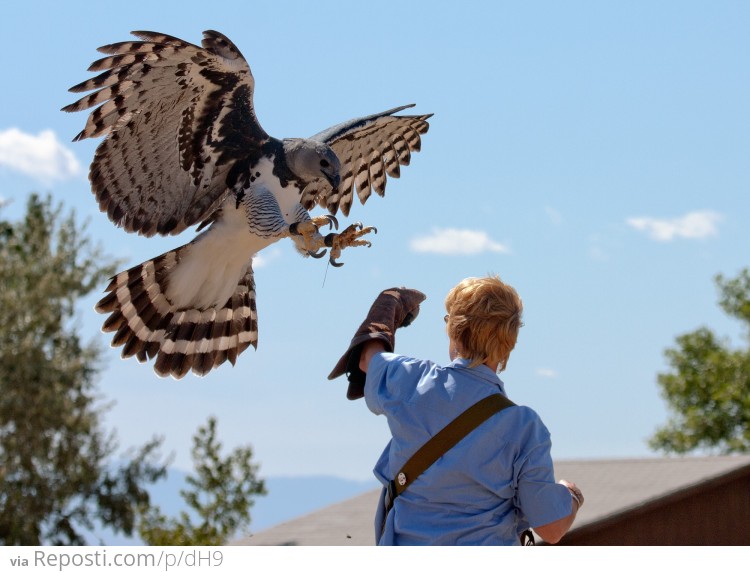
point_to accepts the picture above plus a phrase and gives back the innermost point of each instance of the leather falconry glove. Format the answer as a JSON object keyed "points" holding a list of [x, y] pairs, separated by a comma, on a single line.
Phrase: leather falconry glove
{"points": [[393, 308]]}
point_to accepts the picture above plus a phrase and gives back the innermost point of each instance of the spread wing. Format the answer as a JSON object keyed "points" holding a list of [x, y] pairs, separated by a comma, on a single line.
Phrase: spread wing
{"points": [[178, 125], [368, 148]]}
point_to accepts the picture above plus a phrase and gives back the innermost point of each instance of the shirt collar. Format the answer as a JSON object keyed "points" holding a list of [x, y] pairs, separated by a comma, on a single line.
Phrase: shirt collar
{"points": [[481, 371]]}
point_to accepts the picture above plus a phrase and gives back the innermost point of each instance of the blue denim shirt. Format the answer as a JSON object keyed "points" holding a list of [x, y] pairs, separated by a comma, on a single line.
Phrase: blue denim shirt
{"points": [[493, 484]]}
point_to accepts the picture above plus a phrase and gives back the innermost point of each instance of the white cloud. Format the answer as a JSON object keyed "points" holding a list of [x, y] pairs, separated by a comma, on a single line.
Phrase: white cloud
{"points": [[546, 372], [455, 241], [264, 259], [697, 224], [41, 157]]}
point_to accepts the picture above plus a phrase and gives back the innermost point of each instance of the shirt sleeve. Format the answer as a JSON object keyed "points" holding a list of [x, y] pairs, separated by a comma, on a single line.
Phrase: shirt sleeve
{"points": [[540, 499], [391, 380], [375, 383]]}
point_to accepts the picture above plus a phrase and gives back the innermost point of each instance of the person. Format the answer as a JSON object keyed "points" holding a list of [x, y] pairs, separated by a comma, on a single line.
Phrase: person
{"points": [[497, 481]]}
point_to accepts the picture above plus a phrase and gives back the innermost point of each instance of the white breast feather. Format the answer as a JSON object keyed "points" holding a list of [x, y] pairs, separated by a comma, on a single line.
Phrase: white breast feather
{"points": [[287, 197], [213, 264]]}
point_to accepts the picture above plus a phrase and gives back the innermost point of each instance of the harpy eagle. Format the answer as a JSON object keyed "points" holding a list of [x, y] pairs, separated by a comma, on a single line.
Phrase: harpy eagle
{"points": [[182, 146]]}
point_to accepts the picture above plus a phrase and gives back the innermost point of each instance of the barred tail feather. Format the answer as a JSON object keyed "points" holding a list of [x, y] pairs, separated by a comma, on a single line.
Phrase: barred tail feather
{"points": [[147, 325]]}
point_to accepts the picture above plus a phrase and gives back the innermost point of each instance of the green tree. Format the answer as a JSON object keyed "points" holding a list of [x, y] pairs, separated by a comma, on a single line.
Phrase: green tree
{"points": [[220, 496], [57, 478], [708, 387]]}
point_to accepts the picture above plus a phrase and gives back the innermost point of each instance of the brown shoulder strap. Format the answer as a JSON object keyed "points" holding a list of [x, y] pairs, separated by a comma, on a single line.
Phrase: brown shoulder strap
{"points": [[446, 438]]}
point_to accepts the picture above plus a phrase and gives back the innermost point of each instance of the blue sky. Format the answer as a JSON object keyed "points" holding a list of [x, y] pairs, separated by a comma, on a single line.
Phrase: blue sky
{"points": [[593, 154]]}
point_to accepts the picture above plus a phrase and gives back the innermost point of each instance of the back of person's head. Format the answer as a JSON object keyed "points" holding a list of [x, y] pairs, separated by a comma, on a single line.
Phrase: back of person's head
{"points": [[484, 316]]}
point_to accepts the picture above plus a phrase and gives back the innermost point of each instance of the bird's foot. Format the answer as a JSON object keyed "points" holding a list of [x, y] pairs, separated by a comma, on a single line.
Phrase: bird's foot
{"points": [[350, 236], [307, 231]]}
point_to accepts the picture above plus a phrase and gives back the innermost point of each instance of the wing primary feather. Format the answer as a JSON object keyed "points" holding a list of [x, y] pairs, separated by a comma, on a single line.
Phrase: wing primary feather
{"points": [[159, 38], [337, 131]]}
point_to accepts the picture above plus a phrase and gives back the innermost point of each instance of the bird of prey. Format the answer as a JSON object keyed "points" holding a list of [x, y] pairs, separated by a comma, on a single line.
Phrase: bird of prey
{"points": [[182, 146]]}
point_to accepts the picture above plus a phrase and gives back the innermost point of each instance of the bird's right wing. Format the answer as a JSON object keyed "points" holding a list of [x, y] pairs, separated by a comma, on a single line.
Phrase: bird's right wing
{"points": [[179, 128]]}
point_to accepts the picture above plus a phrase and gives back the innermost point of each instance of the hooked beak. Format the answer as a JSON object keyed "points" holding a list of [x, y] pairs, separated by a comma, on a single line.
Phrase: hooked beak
{"points": [[335, 180]]}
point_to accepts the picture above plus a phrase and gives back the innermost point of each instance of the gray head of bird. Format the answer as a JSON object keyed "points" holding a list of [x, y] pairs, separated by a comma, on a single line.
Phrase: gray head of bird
{"points": [[309, 159]]}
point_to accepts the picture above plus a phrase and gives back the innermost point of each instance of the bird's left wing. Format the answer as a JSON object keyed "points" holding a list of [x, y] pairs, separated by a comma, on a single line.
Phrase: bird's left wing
{"points": [[179, 124], [368, 148]]}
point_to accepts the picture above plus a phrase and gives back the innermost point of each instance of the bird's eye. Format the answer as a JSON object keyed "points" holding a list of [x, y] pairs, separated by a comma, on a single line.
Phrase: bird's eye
{"points": [[324, 163]]}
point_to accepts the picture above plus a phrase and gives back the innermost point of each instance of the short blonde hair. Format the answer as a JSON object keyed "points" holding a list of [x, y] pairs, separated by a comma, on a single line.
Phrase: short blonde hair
{"points": [[484, 316]]}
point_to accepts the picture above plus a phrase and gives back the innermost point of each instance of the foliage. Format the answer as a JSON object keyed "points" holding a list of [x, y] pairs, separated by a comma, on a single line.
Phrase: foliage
{"points": [[220, 495], [56, 478], [708, 389]]}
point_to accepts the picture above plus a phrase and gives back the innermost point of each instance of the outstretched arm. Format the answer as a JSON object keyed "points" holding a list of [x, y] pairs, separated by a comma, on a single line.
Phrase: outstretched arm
{"points": [[393, 308], [368, 351]]}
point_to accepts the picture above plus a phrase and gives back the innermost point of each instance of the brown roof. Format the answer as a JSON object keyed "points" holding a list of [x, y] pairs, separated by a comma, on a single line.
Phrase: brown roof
{"points": [[611, 488]]}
